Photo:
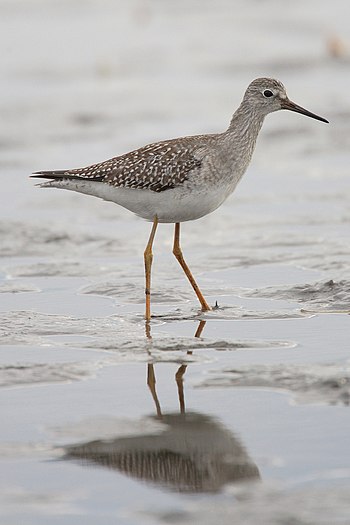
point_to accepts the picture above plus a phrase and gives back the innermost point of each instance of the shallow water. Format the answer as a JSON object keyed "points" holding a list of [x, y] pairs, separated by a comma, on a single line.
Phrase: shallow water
{"points": [[239, 415]]}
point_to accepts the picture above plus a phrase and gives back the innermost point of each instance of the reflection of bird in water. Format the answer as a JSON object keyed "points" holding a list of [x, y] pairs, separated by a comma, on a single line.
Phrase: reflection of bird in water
{"points": [[151, 378], [193, 452]]}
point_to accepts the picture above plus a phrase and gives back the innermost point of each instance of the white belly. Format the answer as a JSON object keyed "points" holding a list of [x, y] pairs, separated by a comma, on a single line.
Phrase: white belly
{"points": [[175, 205]]}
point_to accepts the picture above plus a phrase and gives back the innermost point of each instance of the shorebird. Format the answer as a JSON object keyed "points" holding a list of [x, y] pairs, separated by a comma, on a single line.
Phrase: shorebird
{"points": [[180, 179]]}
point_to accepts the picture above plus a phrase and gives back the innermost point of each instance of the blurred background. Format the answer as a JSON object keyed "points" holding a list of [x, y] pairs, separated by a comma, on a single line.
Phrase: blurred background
{"points": [[82, 81]]}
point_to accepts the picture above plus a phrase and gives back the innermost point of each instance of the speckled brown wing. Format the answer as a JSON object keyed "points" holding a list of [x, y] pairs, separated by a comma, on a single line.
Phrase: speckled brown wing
{"points": [[156, 167]]}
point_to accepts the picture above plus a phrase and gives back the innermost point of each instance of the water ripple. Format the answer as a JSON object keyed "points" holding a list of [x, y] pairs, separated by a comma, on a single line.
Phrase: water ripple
{"points": [[322, 383]]}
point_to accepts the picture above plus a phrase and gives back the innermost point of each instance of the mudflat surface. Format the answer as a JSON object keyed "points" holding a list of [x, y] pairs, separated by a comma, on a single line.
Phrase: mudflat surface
{"points": [[249, 419]]}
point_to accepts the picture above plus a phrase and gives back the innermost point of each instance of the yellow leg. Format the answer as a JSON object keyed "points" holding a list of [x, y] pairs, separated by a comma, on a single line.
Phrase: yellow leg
{"points": [[178, 254], [148, 257]]}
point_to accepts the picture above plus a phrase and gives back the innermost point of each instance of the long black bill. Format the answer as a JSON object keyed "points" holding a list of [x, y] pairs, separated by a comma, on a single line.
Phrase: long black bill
{"points": [[288, 104]]}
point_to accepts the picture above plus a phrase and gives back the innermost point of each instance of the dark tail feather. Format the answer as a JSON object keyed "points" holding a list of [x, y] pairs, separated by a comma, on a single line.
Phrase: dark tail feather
{"points": [[62, 174]]}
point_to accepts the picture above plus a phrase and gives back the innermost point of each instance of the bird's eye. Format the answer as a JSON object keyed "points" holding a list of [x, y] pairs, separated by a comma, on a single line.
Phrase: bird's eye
{"points": [[267, 93]]}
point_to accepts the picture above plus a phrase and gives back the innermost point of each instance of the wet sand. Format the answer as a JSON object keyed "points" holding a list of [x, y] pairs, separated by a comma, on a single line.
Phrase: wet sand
{"points": [[239, 415]]}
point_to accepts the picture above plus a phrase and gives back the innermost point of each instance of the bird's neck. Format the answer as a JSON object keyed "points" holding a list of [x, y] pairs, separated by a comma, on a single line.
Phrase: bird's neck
{"points": [[238, 142], [245, 124]]}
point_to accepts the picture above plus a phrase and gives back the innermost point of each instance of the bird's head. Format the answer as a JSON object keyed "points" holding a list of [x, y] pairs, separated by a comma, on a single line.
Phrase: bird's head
{"points": [[267, 95]]}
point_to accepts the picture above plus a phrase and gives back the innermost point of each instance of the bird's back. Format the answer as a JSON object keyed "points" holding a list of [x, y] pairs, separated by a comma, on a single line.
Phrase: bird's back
{"points": [[156, 167]]}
